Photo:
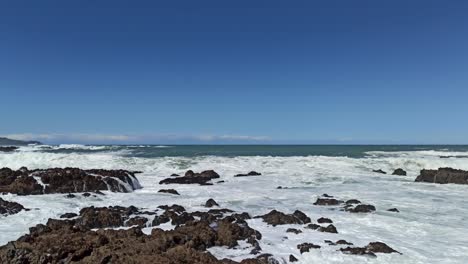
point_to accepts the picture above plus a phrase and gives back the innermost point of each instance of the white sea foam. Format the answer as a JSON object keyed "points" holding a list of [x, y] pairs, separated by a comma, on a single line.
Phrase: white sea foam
{"points": [[430, 227]]}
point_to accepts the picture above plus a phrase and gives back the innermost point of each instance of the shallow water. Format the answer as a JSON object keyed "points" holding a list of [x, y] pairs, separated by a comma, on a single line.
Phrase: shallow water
{"points": [[432, 225]]}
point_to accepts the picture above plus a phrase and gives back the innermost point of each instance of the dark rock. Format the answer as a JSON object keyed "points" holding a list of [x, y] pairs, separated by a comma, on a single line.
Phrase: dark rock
{"points": [[292, 258], [68, 215], [211, 203], [370, 249], [9, 208], [399, 172], [329, 242], [86, 194], [313, 226], [293, 230], [305, 247], [103, 217], [193, 178], [175, 175], [70, 196], [327, 201], [137, 221], [323, 220], [380, 171], [361, 208], [8, 149], [343, 242], [252, 173], [357, 251], [279, 187], [393, 210], [278, 218], [68, 180], [171, 191], [328, 229], [443, 176], [327, 196]]}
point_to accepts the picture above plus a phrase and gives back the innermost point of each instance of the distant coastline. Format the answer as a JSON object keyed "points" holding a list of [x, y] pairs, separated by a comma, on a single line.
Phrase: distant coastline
{"points": [[13, 142]]}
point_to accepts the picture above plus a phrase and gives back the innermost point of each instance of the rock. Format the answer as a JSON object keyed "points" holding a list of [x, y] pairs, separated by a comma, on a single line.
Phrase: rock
{"points": [[443, 176], [278, 218], [9, 208], [353, 201], [323, 220], [399, 172], [137, 221], [370, 249], [252, 173], [292, 258], [8, 149], [328, 229], [293, 230], [393, 210], [104, 217], [211, 203], [67, 180], [327, 196], [171, 191], [86, 194], [380, 171], [193, 178], [327, 201], [68, 215], [305, 247], [69, 196], [361, 208], [175, 175], [313, 226], [343, 242]]}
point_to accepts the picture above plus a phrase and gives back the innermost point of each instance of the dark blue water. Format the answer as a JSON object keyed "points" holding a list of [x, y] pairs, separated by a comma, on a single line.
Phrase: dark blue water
{"points": [[354, 151]]}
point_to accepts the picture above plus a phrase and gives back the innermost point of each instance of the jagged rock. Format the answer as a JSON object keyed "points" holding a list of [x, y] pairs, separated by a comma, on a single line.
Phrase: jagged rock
{"points": [[211, 203], [393, 210], [69, 196], [102, 217], [293, 230], [292, 258], [379, 171], [443, 176], [171, 191], [327, 196], [137, 221], [193, 178], [9, 208], [86, 194], [328, 229], [327, 201], [353, 201], [67, 180], [278, 218], [305, 247], [313, 226], [252, 173], [399, 172], [361, 208], [343, 242], [175, 175], [323, 220]]}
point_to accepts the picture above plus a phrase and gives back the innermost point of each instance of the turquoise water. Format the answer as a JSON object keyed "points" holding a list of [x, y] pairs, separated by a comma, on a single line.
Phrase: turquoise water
{"points": [[149, 151]]}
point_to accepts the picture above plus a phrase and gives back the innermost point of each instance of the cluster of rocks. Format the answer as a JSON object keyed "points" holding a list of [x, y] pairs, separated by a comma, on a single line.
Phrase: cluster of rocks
{"points": [[443, 176], [190, 177], [275, 218], [73, 240], [8, 149], [370, 249], [9, 208], [352, 205], [65, 180], [399, 172]]}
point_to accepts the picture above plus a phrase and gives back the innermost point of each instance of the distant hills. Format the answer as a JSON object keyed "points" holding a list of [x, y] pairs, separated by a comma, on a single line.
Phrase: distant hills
{"points": [[13, 142]]}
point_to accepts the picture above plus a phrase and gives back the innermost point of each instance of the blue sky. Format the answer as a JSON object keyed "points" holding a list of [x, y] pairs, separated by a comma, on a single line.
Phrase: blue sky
{"points": [[234, 71]]}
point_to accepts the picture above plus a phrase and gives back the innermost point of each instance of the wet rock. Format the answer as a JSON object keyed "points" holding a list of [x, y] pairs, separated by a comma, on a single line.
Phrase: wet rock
{"points": [[361, 208], [313, 226], [252, 173], [370, 249], [69, 196], [137, 221], [327, 196], [327, 201], [86, 194], [68, 215], [8, 149], [171, 191], [175, 175], [67, 180], [343, 242], [9, 208], [275, 218], [328, 229], [211, 203], [323, 220], [399, 172], [305, 247], [393, 210], [292, 258], [190, 177], [103, 217], [379, 171], [293, 230], [443, 176], [353, 201], [329, 242]]}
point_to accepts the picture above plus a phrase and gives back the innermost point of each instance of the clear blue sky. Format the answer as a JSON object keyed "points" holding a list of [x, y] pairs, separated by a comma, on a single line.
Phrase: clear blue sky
{"points": [[236, 71]]}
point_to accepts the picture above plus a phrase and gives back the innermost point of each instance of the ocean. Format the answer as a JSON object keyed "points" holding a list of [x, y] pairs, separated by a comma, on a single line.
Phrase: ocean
{"points": [[432, 225]]}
